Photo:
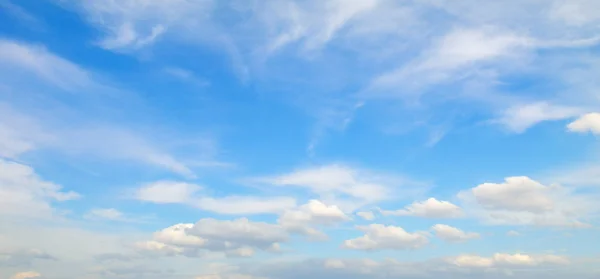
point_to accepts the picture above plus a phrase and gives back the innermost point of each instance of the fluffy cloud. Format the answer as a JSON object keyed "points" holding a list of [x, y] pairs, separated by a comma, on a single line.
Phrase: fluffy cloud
{"points": [[452, 234], [237, 237], [516, 193], [24, 193], [521, 200], [587, 123], [431, 208], [380, 237], [314, 213]]}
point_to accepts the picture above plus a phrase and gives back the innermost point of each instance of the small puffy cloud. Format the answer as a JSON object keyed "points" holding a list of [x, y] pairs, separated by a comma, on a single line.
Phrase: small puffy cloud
{"points": [[235, 238], [380, 237], [26, 275], [367, 215], [523, 201], [452, 234], [431, 208], [24, 193], [587, 123], [177, 235], [507, 260], [314, 213], [167, 192], [516, 193]]}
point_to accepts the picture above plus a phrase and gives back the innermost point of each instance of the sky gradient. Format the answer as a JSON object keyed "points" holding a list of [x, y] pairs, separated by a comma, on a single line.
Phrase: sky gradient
{"points": [[205, 139]]}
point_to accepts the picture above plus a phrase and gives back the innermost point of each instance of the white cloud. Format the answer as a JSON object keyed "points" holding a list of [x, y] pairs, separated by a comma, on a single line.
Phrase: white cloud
{"points": [[131, 24], [238, 205], [301, 23], [127, 37], [167, 192], [240, 232], [177, 235], [164, 192], [587, 123], [519, 118], [235, 238], [504, 260], [452, 234], [24, 193], [346, 187], [26, 274], [380, 237], [367, 215], [516, 193], [431, 208], [523, 201], [314, 213], [58, 126], [451, 56], [39, 62]]}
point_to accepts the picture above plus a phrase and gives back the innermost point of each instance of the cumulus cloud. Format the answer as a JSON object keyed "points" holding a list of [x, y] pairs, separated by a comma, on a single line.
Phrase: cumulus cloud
{"points": [[587, 123], [24, 193], [239, 237], [524, 201], [431, 208], [381, 237], [452, 234], [314, 213]]}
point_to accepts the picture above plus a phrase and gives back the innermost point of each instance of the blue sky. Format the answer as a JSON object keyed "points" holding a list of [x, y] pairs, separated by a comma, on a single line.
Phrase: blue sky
{"points": [[299, 139]]}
